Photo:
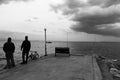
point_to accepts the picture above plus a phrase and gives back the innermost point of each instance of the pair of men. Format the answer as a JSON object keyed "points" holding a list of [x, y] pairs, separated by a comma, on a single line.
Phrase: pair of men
{"points": [[9, 49]]}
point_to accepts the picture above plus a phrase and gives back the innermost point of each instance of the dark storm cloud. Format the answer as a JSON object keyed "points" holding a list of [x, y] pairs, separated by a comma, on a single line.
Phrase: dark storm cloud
{"points": [[7, 1], [104, 3], [93, 22], [95, 30], [93, 16]]}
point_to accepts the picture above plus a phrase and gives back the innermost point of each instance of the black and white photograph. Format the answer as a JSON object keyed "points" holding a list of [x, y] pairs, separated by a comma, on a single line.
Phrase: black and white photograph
{"points": [[59, 39]]}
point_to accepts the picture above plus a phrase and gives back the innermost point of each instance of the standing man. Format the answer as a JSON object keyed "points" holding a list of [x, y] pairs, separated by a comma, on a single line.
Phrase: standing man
{"points": [[25, 47], [9, 49]]}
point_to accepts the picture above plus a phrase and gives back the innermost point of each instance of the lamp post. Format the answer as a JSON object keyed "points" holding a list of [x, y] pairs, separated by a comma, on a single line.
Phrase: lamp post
{"points": [[45, 42]]}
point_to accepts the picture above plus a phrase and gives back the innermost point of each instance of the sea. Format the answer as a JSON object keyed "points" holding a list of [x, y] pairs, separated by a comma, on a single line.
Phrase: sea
{"points": [[106, 49]]}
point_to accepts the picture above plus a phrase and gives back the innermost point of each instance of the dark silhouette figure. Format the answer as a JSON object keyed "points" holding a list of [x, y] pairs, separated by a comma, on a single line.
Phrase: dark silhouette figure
{"points": [[25, 47], [9, 49]]}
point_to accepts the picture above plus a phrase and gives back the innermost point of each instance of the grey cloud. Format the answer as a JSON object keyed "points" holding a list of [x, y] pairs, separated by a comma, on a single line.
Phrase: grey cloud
{"points": [[104, 3], [97, 18], [35, 18], [94, 16], [91, 23], [69, 6], [8, 1], [32, 19], [73, 6], [95, 30]]}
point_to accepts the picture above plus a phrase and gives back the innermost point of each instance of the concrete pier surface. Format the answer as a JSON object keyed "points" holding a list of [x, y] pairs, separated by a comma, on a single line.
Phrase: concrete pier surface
{"points": [[75, 67]]}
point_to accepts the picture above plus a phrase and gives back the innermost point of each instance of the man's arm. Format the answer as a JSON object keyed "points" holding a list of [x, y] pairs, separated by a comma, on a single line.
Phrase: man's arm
{"points": [[22, 45], [4, 48], [13, 47], [30, 44]]}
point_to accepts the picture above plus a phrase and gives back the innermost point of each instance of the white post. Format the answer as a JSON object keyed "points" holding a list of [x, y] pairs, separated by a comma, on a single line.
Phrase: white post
{"points": [[45, 42], [67, 39]]}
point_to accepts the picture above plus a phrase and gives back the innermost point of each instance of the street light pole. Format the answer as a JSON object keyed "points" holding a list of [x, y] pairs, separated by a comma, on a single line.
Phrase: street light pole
{"points": [[45, 42]]}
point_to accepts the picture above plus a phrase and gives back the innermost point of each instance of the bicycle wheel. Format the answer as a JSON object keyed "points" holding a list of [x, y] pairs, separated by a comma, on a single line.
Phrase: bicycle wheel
{"points": [[29, 58], [37, 55]]}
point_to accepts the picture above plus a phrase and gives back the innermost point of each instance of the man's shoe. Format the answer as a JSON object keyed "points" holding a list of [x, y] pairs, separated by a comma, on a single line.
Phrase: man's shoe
{"points": [[26, 62], [13, 66]]}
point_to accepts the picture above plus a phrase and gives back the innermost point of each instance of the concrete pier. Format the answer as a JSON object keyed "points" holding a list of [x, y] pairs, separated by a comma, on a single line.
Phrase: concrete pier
{"points": [[55, 68]]}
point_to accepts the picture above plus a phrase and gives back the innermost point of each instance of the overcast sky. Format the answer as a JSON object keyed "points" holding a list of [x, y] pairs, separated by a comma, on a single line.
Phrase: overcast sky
{"points": [[81, 20]]}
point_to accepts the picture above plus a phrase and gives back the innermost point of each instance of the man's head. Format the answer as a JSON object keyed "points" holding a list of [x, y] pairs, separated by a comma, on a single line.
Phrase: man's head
{"points": [[9, 39], [26, 37]]}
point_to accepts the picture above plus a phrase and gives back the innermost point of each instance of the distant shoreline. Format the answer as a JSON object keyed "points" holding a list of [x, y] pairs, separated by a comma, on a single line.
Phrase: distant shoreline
{"points": [[65, 41]]}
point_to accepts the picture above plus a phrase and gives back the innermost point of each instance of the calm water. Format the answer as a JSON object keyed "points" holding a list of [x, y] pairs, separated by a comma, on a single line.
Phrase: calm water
{"points": [[107, 49]]}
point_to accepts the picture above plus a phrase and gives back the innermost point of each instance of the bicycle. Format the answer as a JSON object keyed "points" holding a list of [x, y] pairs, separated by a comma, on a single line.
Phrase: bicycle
{"points": [[33, 55]]}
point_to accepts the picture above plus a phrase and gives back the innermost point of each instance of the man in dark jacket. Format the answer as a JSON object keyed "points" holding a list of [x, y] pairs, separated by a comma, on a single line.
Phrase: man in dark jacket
{"points": [[25, 47], [9, 49]]}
